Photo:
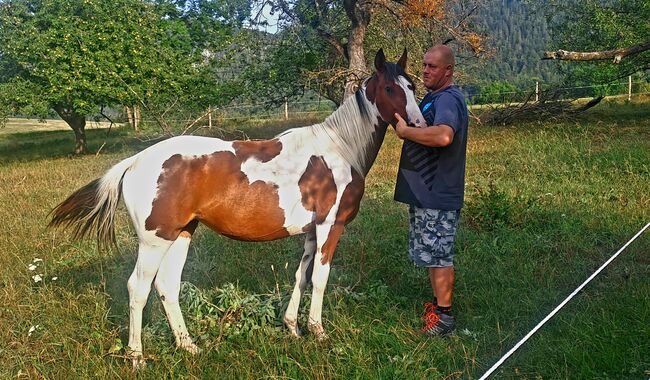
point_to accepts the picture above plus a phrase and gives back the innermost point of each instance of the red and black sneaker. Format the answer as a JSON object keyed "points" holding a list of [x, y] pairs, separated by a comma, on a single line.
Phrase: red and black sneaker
{"points": [[437, 323]]}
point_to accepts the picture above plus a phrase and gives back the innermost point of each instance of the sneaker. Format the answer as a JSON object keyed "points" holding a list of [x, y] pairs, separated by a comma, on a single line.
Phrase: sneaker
{"points": [[436, 323], [429, 307]]}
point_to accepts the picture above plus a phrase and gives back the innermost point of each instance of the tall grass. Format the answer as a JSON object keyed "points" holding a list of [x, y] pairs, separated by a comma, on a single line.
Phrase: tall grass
{"points": [[546, 204]]}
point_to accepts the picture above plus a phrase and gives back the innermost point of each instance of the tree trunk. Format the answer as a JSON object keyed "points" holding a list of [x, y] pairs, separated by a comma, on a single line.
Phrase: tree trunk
{"points": [[133, 116], [78, 124], [129, 115], [136, 117], [358, 12]]}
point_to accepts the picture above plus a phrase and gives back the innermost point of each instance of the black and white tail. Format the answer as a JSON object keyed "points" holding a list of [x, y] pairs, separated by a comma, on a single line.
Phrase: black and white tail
{"points": [[92, 208]]}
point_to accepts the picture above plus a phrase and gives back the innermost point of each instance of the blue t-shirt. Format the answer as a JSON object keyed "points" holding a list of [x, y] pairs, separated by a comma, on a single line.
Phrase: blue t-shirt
{"points": [[432, 177]]}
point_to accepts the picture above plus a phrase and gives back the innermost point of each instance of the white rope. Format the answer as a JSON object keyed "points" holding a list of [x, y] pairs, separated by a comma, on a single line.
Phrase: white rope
{"points": [[540, 324]]}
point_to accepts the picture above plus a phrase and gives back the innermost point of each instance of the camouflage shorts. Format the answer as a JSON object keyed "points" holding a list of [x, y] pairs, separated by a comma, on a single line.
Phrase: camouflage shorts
{"points": [[431, 236]]}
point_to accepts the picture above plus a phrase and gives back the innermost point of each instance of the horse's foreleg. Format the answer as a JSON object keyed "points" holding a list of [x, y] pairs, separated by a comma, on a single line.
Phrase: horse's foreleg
{"points": [[139, 285], [327, 236], [168, 285], [303, 275]]}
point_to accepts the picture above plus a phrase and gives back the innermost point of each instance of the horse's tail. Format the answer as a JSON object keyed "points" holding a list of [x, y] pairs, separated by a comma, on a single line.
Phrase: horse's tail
{"points": [[92, 208]]}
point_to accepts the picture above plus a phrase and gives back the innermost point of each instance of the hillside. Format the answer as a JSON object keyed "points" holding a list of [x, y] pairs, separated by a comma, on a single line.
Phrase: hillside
{"points": [[518, 36]]}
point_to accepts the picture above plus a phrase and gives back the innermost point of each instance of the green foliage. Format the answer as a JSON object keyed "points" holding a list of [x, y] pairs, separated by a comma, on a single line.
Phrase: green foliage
{"points": [[490, 209], [495, 92], [596, 25], [83, 54], [518, 35], [78, 55]]}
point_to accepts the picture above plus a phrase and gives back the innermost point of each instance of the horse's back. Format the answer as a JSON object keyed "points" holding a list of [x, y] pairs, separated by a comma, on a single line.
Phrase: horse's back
{"points": [[237, 188]]}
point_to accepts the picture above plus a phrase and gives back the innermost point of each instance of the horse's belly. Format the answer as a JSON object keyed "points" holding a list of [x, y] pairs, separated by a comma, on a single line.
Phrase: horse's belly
{"points": [[252, 218]]}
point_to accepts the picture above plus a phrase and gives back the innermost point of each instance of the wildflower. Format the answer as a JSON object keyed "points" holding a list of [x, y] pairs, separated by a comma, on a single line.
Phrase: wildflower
{"points": [[37, 260], [37, 278], [32, 329], [54, 278], [31, 267]]}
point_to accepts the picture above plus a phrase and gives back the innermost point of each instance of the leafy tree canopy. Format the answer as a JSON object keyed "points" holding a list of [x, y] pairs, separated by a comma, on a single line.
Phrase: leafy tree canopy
{"points": [[333, 40], [74, 56], [597, 25]]}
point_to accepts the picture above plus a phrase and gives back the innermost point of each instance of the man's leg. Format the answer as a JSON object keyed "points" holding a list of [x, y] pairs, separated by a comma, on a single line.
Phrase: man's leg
{"points": [[433, 238], [442, 284]]}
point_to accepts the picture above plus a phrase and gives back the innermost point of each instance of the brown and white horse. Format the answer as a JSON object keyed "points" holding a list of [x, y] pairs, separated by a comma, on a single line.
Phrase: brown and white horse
{"points": [[306, 180]]}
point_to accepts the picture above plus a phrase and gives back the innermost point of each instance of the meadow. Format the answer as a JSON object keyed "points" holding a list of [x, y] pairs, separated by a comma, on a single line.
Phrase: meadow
{"points": [[547, 202]]}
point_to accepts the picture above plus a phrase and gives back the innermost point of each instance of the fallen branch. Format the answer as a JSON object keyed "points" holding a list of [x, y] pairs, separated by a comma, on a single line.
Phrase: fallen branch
{"points": [[552, 105], [616, 54]]}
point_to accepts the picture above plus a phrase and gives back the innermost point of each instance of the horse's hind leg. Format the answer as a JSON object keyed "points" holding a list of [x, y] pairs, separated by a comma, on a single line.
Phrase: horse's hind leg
{"points": [[168, 284], [303, 275], [139, 285]]}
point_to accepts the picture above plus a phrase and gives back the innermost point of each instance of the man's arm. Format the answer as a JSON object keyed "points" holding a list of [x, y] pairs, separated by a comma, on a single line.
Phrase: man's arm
{"points": [[434, 135]]}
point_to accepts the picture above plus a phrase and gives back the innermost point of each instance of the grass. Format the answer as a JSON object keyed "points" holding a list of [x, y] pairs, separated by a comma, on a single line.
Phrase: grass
{"points": [[546, 204]]}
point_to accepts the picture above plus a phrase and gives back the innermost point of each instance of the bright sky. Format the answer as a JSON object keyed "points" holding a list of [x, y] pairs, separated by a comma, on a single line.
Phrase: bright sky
{"points": [[272, 20]]}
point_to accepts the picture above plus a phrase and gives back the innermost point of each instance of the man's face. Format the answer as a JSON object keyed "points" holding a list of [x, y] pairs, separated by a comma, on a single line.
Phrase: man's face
{"points": [[436, 73]]}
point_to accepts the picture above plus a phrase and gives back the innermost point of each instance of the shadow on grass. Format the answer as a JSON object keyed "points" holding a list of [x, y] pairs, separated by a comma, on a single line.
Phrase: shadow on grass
{"points": [[39, 145]]}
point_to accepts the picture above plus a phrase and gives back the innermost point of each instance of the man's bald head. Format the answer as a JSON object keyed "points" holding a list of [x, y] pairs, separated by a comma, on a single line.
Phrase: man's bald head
{"points": [[444, 53], [438, 68]]}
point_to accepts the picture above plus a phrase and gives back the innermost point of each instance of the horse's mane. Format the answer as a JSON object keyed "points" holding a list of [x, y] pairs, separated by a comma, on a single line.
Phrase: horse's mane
{"points": [[351, 130]]}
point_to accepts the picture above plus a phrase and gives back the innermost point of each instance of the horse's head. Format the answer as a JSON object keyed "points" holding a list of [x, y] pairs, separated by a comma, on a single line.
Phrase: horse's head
{"points": [[392, 91]]}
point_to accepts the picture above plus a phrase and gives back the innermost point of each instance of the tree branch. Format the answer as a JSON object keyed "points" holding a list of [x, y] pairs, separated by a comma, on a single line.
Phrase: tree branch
{"points": [[616, 54]]}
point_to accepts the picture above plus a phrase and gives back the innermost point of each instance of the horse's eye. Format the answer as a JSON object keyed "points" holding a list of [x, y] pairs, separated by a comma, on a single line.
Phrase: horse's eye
{"points": [[389, 89]]}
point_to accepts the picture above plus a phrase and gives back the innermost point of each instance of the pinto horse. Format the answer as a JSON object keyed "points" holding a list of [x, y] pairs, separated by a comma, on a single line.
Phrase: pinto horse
{"points": [[307, 180]]}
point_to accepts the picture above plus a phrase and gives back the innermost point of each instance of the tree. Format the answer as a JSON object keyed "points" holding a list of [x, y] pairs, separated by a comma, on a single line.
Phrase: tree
{"points": [[331, 37], [74, 56], [595, 30]]}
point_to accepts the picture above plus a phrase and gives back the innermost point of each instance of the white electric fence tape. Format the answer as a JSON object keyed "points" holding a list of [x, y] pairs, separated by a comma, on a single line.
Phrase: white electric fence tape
{"points": [[539, 325]]}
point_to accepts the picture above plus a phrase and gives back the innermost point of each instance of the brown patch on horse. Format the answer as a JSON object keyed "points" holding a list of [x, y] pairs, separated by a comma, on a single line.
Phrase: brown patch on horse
{"points": [[212, 189], [348, 209], [318, 188], [263, 150]]}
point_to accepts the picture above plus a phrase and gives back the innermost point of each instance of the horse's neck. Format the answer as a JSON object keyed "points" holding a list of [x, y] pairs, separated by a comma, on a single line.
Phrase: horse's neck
{"points": [[356, 130], [373, 151]]}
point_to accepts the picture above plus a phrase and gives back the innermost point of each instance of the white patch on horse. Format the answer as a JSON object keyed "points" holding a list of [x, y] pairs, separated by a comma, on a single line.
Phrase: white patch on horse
{"points": [[284, 171], [140, 183], [412, 107]]}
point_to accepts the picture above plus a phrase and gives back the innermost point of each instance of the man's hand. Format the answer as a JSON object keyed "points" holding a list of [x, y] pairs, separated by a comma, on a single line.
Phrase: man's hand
{"points": [[433, 135], [400, 127]]}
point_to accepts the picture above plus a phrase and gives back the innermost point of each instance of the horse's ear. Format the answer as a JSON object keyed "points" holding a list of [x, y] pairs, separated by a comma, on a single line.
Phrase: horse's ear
{"points": [[380, 60], [402, 60]]}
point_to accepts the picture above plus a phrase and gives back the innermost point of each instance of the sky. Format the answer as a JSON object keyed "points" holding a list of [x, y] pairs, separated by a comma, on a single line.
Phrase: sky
{"points": [[272, 20]]}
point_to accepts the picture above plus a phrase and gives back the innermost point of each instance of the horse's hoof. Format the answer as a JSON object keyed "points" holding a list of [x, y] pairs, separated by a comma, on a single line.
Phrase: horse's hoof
{"points": [[318, 331], [137, 360], [294, 330], [191, 348]]}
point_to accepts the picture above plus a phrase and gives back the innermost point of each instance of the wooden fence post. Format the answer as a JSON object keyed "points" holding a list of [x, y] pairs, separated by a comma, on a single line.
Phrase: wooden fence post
{"points": [[286, 109], [629, 88]]}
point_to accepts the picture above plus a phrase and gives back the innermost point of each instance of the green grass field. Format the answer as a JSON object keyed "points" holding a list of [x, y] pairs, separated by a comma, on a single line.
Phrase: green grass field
{"points": [[546, 204]]}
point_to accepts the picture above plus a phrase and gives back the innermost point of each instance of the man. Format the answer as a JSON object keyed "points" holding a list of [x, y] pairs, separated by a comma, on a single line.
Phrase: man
{"points": [[431, 180]]}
